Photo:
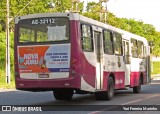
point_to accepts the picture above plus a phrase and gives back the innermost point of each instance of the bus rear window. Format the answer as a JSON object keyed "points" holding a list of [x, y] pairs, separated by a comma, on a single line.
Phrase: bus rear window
{"points": [[44, 29]]}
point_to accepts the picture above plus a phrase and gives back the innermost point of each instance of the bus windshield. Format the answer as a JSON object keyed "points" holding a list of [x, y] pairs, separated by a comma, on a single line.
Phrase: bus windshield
{"points": [[43, 29]]}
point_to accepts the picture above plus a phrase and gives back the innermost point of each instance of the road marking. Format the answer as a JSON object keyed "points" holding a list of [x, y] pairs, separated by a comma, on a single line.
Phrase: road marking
{"points": [[152, 96], [132, 102], [102, 110]]}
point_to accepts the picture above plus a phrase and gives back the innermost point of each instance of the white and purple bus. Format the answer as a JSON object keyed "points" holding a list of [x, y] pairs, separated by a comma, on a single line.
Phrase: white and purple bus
{"points": [[68, 53]]}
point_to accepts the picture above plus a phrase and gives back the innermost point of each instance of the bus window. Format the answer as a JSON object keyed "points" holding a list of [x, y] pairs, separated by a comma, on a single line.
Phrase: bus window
{"points": [[86, 36], [41, 36], [26, 35], [108, 44], [126, 52], [134, 48], [145, 51], [43, 29], [140, 49], [118, 44]]}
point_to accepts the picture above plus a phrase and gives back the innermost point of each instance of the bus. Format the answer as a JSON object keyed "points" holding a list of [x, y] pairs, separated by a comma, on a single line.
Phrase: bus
{"points": [[68, 54]]}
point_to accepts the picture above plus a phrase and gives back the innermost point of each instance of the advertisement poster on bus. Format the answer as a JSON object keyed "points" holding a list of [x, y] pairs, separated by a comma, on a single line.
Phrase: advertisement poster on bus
{"points": [[36, 59]]}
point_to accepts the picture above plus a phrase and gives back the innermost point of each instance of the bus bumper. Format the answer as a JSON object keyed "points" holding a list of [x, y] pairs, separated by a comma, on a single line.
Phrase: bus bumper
{"points": [[47, 84]]}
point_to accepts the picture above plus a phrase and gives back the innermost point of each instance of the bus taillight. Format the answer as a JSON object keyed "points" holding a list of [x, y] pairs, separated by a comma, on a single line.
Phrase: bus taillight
{"points": [[73, 66]]}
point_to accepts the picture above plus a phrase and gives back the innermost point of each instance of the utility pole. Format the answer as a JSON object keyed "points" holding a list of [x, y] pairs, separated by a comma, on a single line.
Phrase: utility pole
{"points": [[7, 45], [103, 10], [75, 2]]}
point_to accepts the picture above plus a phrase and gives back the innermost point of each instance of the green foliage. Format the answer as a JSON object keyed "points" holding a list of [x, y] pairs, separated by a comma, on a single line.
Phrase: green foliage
{"points": [[156, 68], [3, 50], [2, 60], [92, 11], [3, 84], [20, 7]]}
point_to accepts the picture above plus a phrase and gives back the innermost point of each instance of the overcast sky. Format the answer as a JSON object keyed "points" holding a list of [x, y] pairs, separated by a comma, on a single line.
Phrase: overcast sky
{"points": [[146, 10]]}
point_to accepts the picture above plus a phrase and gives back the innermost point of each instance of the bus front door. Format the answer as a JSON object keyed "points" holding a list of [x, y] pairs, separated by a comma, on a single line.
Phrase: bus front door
{"points": [[98, 51]]}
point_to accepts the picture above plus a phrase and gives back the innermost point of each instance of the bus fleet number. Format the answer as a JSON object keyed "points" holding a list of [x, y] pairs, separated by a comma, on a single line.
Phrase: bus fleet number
{"points": [[43, 21]]}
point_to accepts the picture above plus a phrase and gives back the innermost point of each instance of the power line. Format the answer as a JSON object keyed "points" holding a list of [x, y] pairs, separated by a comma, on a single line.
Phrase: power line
{"points": [[21, 10]]}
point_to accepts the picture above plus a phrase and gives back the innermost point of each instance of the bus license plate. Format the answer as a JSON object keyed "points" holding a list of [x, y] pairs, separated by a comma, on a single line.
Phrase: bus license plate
{"points": [[43, 76]]}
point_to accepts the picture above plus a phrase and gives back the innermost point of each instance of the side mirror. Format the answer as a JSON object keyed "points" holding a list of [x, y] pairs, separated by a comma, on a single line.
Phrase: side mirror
{"points": [[151, 44]]}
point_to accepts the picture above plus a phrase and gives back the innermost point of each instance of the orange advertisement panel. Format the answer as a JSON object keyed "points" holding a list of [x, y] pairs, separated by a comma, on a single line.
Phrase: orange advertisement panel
{"points": [[36, 59]]}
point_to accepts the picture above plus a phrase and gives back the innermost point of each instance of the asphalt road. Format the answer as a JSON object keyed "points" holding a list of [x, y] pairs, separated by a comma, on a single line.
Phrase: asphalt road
{"points": [[149, 96]]}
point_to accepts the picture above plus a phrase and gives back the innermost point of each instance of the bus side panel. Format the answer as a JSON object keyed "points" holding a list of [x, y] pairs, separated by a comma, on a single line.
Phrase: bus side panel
{"points": [[75, 51], [119, 79], [82, 62], [88, 71], [105, 78], [134, 79], [113, 66], [138, 68]]}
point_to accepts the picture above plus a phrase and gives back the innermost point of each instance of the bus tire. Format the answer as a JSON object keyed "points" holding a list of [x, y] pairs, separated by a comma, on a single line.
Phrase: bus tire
{"points": [[106, 95], [63, 94], [137, 89]]}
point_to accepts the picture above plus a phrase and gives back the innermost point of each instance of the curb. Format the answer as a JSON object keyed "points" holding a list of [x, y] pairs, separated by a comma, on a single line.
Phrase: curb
{"points": [[6, 90], [155, 77]]}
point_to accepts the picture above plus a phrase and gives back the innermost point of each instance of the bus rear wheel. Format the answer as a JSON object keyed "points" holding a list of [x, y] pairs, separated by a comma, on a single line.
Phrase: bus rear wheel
{"points": [[63, 94], [106, 95], [137, 89]]}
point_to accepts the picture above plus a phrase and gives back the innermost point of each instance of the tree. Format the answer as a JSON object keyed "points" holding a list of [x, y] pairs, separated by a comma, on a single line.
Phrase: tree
{"points": [[3, 50], [24, 7], [92, 10]]}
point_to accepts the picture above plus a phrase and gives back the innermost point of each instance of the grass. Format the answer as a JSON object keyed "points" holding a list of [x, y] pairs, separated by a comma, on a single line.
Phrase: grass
{"points": [[156, 68], [3, 84]]}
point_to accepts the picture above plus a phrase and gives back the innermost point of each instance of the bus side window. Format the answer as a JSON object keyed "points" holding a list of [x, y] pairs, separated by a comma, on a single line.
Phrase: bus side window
{"points": [[140, 50], [108, 42], [86, 38], [145, 51], [118, 44], [134, 48]]}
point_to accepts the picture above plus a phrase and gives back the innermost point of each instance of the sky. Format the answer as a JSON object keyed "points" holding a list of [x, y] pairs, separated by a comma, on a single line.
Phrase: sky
{"points": [[147, 11]]}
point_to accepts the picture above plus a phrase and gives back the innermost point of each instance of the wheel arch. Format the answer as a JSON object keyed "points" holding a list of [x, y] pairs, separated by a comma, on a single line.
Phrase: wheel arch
{"points": [[113, 76], [141, 77]]}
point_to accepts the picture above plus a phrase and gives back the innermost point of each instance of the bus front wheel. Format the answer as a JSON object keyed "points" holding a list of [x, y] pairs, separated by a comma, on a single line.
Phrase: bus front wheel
{"points": [[63, 94], [137, 89]]}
